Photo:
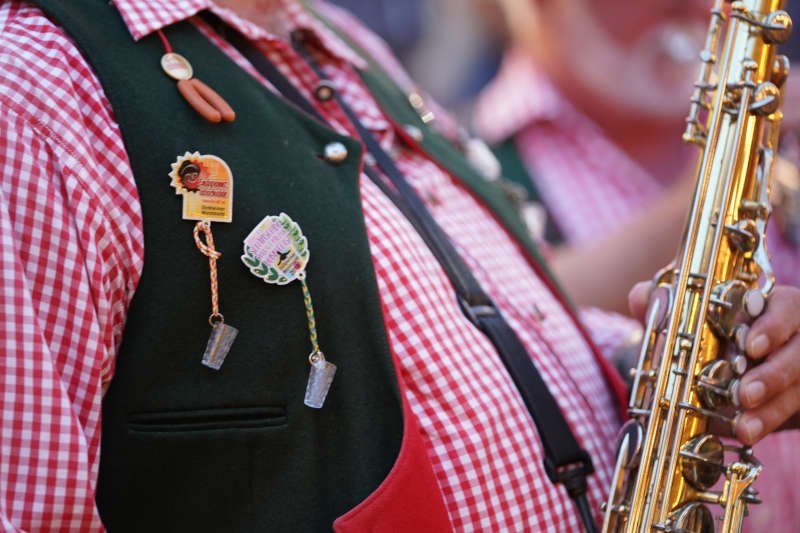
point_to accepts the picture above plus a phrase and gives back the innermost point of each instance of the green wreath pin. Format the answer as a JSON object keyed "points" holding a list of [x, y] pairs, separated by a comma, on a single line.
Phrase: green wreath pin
{"points": [[276, 250]]}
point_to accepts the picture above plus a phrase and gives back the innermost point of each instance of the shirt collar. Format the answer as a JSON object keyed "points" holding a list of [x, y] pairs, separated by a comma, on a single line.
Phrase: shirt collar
{"points": [[143, 17], [518, 96]]}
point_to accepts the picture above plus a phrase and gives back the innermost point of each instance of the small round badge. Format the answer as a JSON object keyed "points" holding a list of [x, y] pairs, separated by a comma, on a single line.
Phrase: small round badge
{"points": [[176, 66]]}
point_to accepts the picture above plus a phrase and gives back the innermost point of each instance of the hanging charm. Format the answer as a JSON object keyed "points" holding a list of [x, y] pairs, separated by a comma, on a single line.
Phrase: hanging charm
{"points": [[222, 335], [206, 184], [277, 252], [202, 98]]}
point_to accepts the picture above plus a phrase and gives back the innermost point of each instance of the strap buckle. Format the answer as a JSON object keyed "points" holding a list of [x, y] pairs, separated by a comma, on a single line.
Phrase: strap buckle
{"points": [[572, 475], [476, 311]]}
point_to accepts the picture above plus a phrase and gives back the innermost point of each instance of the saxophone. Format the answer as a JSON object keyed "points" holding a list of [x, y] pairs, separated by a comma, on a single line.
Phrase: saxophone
{"points": [[672, 468]]}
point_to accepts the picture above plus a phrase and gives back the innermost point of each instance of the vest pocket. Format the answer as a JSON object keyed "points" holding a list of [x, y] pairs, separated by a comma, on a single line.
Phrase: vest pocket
{"points": [[197, 420]]}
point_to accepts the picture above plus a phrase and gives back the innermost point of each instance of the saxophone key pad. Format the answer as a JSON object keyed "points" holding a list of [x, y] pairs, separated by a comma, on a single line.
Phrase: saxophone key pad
{"points": [[754, 302]]}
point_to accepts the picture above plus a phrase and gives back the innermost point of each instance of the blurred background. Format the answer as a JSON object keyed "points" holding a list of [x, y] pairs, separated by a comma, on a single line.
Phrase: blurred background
{"points": [[466, 35]]}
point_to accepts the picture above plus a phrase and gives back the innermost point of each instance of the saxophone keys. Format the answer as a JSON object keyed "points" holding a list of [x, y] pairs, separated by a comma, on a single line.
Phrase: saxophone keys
{"points": [[754, 302], [743, 235], [726, 302], [702, 461], [735, 394], [777, 27], [732, 304], [750, 495], [692, 517], [708, 413], [739, 364], [780, 70], [629, 444], [754, 209], [620, 509], [739, 337], [714, 381], [766, 99]]}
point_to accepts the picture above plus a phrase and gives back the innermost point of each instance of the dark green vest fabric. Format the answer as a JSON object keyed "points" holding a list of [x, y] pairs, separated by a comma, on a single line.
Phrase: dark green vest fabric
{"points": [[513, 167], [187, 448], [514, 170]]}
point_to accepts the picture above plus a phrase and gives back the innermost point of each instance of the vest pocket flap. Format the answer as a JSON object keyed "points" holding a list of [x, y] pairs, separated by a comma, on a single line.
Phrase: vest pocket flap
{"points": [[208, 419]]}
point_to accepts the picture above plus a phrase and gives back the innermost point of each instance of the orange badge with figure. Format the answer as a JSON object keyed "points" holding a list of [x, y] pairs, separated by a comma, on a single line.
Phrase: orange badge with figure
{"points": [[206, 184]]}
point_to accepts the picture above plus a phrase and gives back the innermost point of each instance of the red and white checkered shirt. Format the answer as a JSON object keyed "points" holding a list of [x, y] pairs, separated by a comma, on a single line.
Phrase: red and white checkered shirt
{"points": [[71, 253], [587, 182]]}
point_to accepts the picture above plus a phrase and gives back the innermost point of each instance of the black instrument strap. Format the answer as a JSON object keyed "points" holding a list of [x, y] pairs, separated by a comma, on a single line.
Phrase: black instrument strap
{"points": [[565, 461]]}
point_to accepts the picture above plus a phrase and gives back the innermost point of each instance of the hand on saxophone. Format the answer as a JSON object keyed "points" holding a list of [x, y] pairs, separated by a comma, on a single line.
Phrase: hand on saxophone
{"points": [[769, 393]]}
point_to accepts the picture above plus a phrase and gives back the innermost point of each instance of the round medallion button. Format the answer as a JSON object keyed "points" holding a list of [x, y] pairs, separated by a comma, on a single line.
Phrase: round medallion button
{"points": [[335, 152], [176, 66], [324, 90]]}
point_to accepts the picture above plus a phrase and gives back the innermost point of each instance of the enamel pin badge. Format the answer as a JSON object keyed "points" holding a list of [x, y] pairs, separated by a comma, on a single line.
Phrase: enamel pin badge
{"points": [[277, 252], [206, 184]]}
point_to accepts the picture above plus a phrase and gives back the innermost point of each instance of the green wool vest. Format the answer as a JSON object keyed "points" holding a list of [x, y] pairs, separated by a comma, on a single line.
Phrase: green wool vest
{"points": [[514, 170], [187, 448]]}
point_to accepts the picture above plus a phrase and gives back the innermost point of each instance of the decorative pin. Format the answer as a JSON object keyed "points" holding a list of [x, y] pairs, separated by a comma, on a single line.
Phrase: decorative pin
{"points": [[277, 252], [417, 101], [202, 98], [206, 184]]}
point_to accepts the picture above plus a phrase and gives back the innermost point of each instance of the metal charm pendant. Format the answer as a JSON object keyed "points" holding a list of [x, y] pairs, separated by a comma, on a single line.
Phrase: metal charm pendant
{"points": [[320, 378], [219, 344]]}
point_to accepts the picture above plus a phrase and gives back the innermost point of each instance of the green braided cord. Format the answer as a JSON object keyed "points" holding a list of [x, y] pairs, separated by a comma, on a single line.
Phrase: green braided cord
{"points": [[312, 323]]}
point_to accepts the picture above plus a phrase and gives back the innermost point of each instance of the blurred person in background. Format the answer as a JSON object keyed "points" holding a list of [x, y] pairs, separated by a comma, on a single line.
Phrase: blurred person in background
{"points": [[467, 37], [590, 102], [400, 24]]}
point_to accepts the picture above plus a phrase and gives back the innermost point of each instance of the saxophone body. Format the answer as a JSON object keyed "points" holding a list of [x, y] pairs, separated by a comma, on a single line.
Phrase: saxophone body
{"points": [[673, 472]]}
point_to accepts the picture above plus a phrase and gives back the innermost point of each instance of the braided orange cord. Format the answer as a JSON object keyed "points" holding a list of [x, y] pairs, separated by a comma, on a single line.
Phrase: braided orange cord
{"points": [[207, 248]]}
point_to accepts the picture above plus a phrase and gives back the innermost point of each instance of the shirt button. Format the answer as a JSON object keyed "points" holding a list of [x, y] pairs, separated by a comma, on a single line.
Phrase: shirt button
{"points": [[324, 90], [414, 132], [335, 152]]}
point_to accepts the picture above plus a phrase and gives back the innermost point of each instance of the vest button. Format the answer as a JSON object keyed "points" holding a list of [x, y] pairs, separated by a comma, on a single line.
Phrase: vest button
{"points": [[335, 152], [324, 90], [414, 132]]}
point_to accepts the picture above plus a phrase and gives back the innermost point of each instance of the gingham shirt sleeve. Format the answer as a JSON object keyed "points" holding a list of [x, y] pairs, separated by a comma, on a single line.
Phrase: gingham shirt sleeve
{"points": [[611, 332], [51, 366], [70, 255]]}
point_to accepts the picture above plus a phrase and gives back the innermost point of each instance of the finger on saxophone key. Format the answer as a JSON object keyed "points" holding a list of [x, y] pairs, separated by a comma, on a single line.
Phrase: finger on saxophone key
{"points": [[779, 322], [638, 297], [779, 412]]}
